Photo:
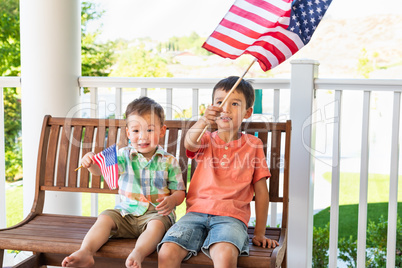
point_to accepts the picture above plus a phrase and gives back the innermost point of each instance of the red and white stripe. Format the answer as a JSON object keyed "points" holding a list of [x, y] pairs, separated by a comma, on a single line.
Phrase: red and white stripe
{"points": [[258, 28], [110, 173]]}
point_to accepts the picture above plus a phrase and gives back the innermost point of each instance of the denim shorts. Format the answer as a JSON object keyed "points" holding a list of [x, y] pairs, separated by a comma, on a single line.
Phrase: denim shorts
{"points": [[198, 231]]}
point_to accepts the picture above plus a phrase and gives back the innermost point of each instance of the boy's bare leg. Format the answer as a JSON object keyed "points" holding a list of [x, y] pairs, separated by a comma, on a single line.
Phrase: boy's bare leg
{"points": [[93, 240], [146, 243], [224, 255], [171, 255]]}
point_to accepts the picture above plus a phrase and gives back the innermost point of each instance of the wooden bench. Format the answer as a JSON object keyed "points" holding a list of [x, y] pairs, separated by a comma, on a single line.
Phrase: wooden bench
{"points": [[62, 143]]}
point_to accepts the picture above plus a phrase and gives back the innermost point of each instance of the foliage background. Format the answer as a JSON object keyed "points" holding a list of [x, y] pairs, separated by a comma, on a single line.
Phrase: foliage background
{"points": [[97, 60], [10, 66]]}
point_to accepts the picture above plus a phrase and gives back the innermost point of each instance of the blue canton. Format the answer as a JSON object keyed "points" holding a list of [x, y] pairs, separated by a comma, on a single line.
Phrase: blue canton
{"points": [[110, 156], [305, 16]]}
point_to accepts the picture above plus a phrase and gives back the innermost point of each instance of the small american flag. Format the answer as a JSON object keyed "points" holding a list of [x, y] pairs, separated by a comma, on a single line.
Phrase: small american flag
{"points": [[107, 162], [270, 30]]}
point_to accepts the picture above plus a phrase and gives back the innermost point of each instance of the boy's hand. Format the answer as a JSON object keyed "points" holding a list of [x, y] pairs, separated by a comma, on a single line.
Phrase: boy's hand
{"points": [[262, 241], [211, 114], [166, 205], [87, 161]]}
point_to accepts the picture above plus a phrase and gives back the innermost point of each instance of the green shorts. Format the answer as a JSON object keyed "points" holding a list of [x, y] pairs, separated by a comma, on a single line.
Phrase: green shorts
{"points": [[131, 226]]}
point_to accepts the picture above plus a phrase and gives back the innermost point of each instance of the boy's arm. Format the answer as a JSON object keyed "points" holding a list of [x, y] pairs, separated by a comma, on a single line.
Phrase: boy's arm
{"points": [[209, 117], [261, 213], [87, 162], [168, 203]]}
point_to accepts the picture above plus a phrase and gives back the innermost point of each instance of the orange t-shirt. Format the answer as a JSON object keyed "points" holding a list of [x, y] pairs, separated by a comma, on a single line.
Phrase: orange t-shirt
{"points": [[223, 182]]}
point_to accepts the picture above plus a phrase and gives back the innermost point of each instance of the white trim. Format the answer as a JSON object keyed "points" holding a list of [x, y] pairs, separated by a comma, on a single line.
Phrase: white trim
{"points": [[301, 185], [359, 84], [153, 82], [10, 81]]}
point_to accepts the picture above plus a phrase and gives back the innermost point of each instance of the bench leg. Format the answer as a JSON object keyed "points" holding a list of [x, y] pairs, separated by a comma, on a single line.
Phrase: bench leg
{"points": [[284, 264], [31, 262], [1, 257]]}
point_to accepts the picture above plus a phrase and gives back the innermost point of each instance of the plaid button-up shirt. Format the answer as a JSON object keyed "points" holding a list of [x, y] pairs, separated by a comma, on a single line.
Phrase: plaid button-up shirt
{"points": [[142, 182]]}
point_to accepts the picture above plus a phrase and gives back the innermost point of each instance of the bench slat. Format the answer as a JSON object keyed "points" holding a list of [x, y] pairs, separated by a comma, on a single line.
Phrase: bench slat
{"points": [[63, 154], [172, 141], [51, 155], [86, 148], [275, 165], [99, 147], [74, 156]]}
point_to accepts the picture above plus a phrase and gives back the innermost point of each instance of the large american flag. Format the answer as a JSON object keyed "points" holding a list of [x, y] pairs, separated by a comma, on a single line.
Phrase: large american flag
{"points": [[107, 162], [270, 30]]}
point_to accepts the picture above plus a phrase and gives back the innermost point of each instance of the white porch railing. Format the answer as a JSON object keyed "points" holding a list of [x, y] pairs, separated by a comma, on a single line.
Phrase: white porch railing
{"points": [[367, 87], [277, 107], [4, 82]]}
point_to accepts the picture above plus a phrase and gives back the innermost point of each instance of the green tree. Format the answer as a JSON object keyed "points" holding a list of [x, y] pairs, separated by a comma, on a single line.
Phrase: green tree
{"points": [[192, 43], [96, 58], [9, 38], [96, 61], [348, 251], [320, 246], [10, 66], [366, 63], [377, 243], [137, 61]]}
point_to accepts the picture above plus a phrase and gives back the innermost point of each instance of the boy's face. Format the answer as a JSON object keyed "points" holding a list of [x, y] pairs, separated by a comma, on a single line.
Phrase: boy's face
{"points": [[234, 110], [144, 132]]}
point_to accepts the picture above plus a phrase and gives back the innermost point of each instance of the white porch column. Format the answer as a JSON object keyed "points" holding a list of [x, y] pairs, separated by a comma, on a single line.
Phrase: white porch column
{"points": [[50, 66], [301, 185]]}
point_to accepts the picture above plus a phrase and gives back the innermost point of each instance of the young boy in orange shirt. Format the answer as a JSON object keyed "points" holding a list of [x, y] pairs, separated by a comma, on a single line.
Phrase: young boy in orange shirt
{"points": [[231, 169]]}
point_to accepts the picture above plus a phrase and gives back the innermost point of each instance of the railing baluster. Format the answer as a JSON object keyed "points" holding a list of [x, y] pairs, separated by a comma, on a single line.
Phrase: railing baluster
{"points": [[393, 183], [144, 91], [169, 103], [274, 206], [118, 115], [334, 217], [94, 91], [2, 165], [362, 221], [276, 112], [195, 104], [118, 97]]}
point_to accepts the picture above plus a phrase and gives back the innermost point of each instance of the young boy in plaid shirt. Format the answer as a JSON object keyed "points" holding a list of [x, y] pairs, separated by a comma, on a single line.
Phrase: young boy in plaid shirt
{"points": [[150, 186]]}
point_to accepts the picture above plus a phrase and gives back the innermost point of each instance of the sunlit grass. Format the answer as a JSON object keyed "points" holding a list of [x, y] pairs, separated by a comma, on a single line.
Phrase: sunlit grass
{"points": [[348, 217], [14, 207], [349, 187], [378, 188]]}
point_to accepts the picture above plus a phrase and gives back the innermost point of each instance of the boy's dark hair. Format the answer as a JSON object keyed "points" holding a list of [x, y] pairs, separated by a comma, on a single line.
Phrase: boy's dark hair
{"points": [[144, 105], [243, 87]]}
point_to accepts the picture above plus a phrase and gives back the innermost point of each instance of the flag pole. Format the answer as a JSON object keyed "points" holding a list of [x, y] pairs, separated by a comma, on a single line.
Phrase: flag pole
{"points": [[227, 96]]}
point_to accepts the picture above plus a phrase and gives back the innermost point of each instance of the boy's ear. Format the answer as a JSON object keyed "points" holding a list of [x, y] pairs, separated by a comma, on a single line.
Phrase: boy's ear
{"points": [[163, 131], [249, 112], [127, 132]]}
